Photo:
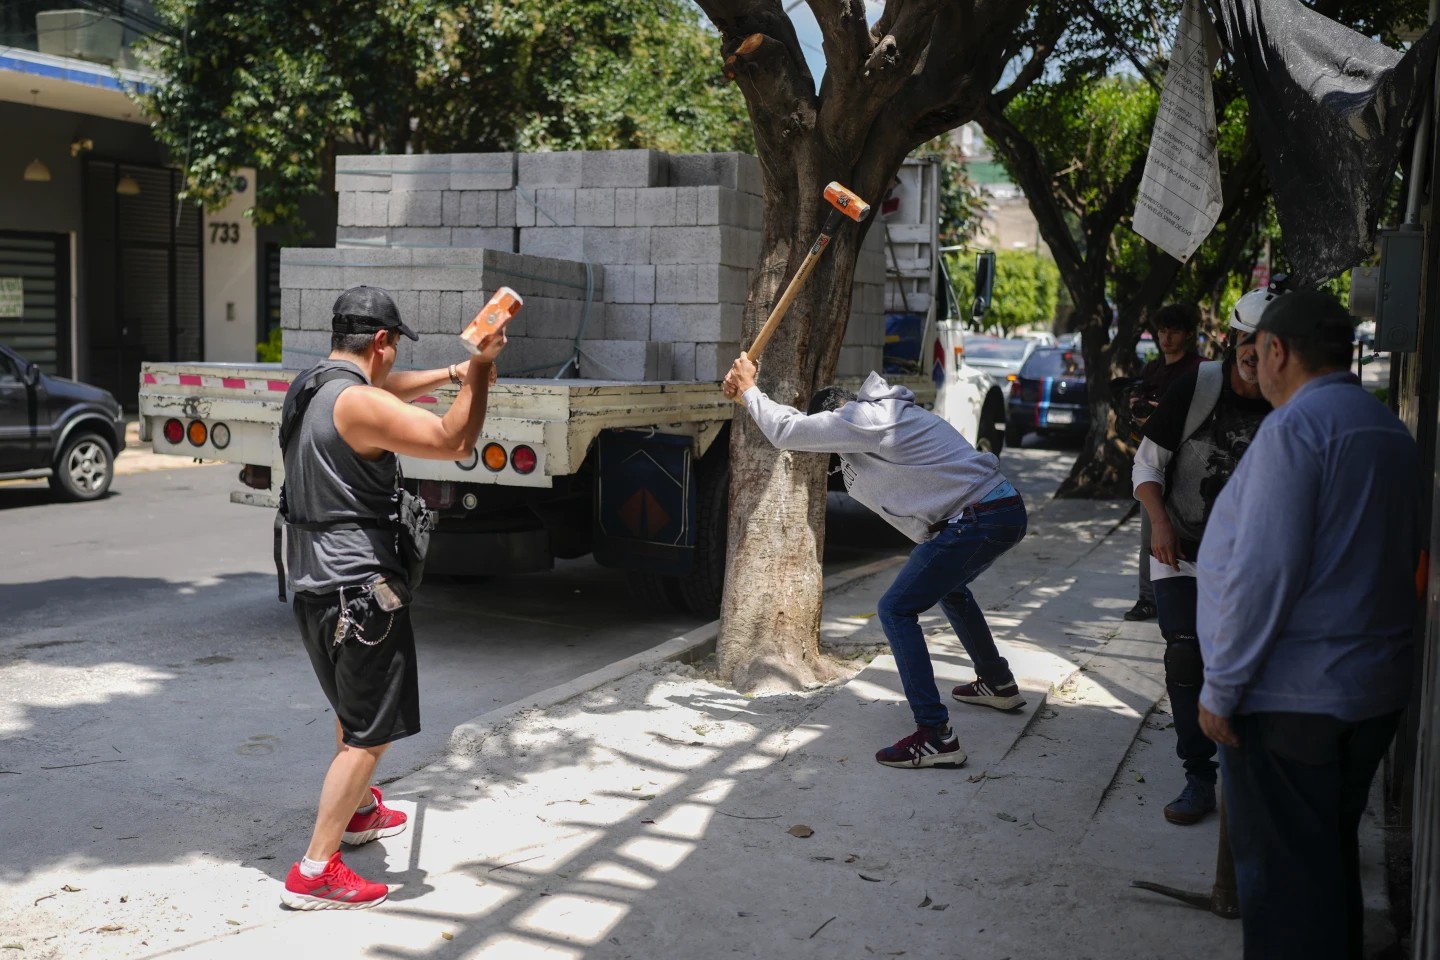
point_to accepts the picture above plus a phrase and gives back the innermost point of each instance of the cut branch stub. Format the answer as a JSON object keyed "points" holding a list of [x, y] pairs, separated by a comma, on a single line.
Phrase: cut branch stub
{"points": [[885, 54]]}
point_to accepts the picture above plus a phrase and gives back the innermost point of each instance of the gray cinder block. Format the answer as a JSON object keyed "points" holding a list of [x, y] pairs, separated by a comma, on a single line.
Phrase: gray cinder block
{"points": [[686, 206], [452, 314], [415, 208], [426, 317], [595, 207], [363, 173], [616, 244], [450, 213], [555, 208], [644, 288], [620, 285], [505, 210], [730, 246], [565, 243], [623, 168], [419, 236], [677, 283], [302, 348], [290, 309], [486, 238], [665, 361], [625, 201], [482, 171], [346, 237], [696, 322], [554, 169], [428, 172], [627, 321], [713, 360], [655, 207], [619, 359], [682, 361]]}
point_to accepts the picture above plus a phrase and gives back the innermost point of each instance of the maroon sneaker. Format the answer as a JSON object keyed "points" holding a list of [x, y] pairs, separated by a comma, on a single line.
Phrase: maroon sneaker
{"points": [[926, 747], [336, 888], [380, 822], [1005, 696]]}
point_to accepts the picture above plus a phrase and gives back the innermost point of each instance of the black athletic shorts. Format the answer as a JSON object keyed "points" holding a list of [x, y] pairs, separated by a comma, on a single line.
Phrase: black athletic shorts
{"points": [[370, 678]]}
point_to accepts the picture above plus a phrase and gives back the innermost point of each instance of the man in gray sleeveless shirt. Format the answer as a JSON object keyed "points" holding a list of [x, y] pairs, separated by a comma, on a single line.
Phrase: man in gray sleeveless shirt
{"points": [[351, 594], [920, 475]]}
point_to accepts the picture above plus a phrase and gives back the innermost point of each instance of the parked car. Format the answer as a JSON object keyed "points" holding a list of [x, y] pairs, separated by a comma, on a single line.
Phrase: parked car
{"points": [[1048, 396], [999, 357], [59, 429]]}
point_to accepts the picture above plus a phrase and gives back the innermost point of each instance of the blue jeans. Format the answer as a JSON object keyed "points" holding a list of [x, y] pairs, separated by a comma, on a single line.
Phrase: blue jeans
{"points": [[1295, 791], [940, 571], [1184, 674]]}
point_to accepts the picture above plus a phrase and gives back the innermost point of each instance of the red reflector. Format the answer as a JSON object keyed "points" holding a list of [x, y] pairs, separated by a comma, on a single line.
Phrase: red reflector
{"points": [[174, 431], [523, 459]]}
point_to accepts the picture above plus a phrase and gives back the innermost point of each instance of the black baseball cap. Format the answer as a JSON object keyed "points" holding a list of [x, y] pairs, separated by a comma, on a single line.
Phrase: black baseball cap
{"points": [[365, 310], [1310, 314]]}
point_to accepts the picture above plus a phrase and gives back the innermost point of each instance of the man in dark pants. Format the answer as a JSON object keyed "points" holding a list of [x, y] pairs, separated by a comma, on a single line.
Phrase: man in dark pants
{"points": [[347, 573], [1192, 443], [919, 474], [1175, 327], [1305, 612]]}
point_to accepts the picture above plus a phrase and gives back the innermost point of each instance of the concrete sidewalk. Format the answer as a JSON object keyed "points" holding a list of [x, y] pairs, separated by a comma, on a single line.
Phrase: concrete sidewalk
{"points": [[646, 812]]}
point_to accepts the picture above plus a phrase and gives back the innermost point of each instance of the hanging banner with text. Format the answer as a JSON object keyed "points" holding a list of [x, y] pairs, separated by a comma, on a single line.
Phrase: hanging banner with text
{"points": [[1179, 201]]}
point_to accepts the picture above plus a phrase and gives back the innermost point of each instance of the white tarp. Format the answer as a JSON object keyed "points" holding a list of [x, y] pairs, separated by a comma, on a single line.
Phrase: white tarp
{"points": [[1179, 199]]}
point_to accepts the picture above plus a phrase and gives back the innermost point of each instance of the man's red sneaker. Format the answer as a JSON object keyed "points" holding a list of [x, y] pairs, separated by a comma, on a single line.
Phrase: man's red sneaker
{"points": [[337, 888], [926, 747], [380, 822]]}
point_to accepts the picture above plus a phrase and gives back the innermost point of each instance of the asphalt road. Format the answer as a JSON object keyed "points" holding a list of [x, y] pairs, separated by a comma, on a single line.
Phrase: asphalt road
{"points": [[151, 685]]}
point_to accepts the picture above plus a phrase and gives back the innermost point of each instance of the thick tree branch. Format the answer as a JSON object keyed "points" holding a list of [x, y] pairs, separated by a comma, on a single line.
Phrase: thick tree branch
{"points": [[844, 34], [781, 98], [738, 19]]}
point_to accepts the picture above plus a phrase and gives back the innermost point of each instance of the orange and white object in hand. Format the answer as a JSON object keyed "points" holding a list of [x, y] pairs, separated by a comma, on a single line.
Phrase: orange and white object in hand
{"points": [[492, 318]]}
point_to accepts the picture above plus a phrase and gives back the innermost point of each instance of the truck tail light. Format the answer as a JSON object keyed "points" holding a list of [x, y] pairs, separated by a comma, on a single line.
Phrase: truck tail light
{"points": [[494, 457], [220, 436], [523, 459], [197, 433], [174, 431]]}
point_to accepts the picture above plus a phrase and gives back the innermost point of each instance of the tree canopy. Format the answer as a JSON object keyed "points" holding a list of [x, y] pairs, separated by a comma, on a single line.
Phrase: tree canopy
{"points": [[281, 84]]}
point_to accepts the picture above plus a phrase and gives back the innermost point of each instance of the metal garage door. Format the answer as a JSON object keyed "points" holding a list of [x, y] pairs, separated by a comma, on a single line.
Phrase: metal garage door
{"points": [[35, 298]]}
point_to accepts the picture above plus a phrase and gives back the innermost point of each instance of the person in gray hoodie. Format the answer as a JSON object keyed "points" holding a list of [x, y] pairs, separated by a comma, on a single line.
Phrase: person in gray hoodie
{"points": [[918, 473]]}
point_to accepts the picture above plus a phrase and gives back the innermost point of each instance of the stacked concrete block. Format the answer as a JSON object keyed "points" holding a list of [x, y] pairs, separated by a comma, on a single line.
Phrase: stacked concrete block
{"points": [[438, 291], [674, 236]]}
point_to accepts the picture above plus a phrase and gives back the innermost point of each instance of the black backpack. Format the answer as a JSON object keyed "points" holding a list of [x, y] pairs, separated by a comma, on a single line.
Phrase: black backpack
{"points": [[408, 515]]}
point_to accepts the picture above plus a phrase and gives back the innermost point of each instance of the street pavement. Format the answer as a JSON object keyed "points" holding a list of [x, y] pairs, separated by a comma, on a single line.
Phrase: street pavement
{"points": [[646, 811]]}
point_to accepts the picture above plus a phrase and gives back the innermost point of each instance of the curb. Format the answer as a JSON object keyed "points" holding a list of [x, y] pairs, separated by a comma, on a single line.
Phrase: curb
{"points": [[468, 738]]}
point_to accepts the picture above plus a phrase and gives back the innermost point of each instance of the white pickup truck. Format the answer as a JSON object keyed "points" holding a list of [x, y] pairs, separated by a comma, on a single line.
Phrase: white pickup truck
{"points": [[630, 471]]}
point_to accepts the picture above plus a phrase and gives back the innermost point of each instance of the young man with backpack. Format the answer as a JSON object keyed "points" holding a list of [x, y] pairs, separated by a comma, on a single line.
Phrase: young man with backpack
{"points": [[1192, 444], [345, 421]]}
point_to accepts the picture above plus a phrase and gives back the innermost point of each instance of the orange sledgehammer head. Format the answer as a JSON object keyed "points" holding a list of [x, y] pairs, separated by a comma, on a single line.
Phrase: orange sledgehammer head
{"points": [[847, 201]]}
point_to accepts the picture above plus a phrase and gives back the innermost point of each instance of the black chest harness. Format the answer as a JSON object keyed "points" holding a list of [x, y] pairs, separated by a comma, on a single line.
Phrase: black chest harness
{"points": [[408, 516]]}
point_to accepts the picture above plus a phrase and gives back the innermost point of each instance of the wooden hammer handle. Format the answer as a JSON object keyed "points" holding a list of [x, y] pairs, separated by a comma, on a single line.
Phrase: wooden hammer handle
{"points": [[763, 337]]}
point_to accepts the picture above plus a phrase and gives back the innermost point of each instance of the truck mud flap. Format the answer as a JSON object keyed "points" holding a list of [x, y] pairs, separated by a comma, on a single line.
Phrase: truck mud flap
{"points": [[645, 500]]}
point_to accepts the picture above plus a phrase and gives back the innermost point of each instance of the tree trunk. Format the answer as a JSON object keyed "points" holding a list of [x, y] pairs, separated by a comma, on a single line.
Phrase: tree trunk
{"points": [[770, 614]]}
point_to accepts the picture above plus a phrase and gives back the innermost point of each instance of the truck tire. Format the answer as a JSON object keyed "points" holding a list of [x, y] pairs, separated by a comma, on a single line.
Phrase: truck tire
{"points": [[992, 427], [703, 586], [84, 468]]}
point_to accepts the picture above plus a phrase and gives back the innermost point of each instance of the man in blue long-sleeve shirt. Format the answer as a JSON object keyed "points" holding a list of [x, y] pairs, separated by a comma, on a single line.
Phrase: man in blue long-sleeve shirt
{"points": [[1306, 602]]}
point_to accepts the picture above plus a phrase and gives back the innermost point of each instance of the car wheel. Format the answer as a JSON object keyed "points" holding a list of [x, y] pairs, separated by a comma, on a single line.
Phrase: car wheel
{"points": [[84, 469]]}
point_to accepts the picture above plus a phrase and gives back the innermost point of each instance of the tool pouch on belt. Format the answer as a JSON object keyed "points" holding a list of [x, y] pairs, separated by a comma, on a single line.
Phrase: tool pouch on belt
{"points": [[413, 523]]}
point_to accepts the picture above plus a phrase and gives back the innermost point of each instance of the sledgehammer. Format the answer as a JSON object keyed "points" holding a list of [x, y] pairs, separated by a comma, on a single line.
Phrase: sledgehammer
{"points": [[847, 203]]}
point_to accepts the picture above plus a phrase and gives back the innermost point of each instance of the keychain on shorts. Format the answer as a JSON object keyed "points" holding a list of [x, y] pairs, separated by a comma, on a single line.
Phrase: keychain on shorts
{"points": [[347, 624]]}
